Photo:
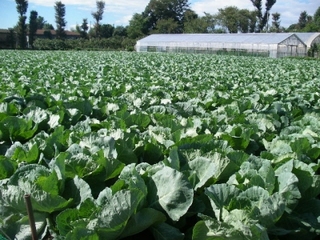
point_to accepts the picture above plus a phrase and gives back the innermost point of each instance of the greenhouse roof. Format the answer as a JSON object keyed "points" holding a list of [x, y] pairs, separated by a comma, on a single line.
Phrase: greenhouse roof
{"points": [[254, 38], [308, 37]]}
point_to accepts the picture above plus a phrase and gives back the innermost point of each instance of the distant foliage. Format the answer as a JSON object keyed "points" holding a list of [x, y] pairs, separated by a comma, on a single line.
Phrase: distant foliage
{"points": [[113, 43]]}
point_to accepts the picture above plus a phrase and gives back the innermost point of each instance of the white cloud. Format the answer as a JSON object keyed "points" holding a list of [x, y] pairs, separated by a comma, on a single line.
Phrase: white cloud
{"points": [[123, 20]]}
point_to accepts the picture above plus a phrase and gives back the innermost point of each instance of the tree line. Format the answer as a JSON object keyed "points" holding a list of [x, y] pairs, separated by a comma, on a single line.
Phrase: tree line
{"points": [[159, 16]]}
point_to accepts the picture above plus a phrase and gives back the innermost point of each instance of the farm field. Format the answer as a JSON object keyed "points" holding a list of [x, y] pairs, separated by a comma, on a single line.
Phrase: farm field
{"points": [[118, 145]]}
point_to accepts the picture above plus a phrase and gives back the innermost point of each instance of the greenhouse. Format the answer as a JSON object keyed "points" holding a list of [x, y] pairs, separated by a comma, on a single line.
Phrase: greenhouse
{"points": [[258, 44], [309, 38]]}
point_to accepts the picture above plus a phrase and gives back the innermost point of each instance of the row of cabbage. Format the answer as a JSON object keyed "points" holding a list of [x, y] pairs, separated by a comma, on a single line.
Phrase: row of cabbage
{"points": [[126, 145]]}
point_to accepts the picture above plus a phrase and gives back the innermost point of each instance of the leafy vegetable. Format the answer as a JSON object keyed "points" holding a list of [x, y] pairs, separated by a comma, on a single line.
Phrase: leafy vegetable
{"points": [[118, 145]]}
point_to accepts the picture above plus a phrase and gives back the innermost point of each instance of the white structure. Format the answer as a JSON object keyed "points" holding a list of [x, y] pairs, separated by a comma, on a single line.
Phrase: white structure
{"points": [[309, 38], [267, 44]]}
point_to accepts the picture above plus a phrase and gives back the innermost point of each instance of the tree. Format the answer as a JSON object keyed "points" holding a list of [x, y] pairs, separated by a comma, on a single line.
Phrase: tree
{"points": [[247, 21], [275, 22], [138, 26], [263, 17], [48, 26], [11, 38], [98, 17], [32, 27], [313, 50], [236, 20], [228, 17], [166, 26], [164, 10], [194, 24], [120, 31], [60, 21], [40, 22], [316, 19], [190, 15], [22, 6], [243, 20], [83, 29], [306, 23], [106, 31], [212, 22], [303, 20]]}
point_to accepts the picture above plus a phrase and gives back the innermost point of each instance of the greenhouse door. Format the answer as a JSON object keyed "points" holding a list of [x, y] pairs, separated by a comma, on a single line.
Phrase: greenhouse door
{"points": [[292, 50]]}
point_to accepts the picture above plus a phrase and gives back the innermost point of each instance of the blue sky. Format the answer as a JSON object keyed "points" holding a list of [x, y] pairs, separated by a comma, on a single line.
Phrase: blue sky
{"points": [[119, 12]]}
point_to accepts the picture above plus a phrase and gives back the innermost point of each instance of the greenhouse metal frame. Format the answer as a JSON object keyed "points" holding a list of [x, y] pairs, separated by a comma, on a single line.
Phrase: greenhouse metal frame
{"points": [[258, 44]]}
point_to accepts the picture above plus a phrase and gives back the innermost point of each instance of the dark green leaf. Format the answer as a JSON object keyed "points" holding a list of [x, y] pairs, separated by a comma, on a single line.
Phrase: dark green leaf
{"points": [[164, 231], [142, 220]]}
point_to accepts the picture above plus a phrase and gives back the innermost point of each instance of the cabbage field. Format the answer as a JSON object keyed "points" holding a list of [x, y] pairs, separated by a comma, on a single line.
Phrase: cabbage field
{"points": [[118, 145]]}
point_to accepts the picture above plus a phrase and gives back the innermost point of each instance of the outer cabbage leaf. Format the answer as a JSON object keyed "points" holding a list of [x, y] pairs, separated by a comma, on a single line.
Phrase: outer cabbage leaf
{"points": [[142, 220], [40, 183], [7, 167], [288, 188], [17, 129], [238, 228], [220, 196], [17, 226], [171, 191], [110, 221], [164, 231]]}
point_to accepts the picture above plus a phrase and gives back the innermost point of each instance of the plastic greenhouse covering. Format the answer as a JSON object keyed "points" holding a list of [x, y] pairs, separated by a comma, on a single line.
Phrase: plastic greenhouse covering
{"points": [[266, 44], [309, 38]]}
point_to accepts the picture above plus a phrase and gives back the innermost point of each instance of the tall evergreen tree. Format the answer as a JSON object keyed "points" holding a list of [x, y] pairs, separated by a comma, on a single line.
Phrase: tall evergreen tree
{"points": [[40, 22], [98, 15], [22, 6], [275, 22], [84, 28], [303, 20], [33, 26], [60, 21]]}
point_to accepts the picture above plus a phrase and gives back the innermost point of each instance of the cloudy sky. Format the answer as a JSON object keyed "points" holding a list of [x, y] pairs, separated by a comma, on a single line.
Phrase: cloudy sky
{"points": [[119, 12]]}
